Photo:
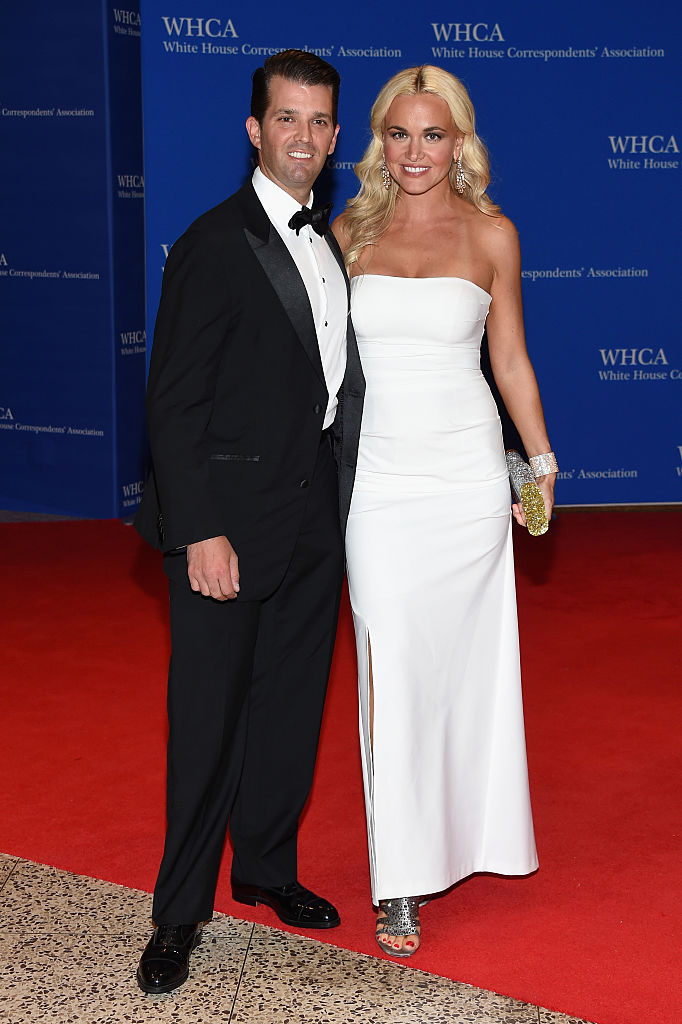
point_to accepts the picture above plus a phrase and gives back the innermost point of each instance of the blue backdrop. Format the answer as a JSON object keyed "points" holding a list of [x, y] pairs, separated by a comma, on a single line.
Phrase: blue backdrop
{"points": [[72, 355], [579, 106]]}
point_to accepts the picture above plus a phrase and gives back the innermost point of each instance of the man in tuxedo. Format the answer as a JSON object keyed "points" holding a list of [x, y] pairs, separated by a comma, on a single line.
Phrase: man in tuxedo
{"points": [[254, 404]]}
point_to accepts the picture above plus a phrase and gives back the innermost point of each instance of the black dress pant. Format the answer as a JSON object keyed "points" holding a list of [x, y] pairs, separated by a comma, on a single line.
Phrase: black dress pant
{"points": [[246, 689]]}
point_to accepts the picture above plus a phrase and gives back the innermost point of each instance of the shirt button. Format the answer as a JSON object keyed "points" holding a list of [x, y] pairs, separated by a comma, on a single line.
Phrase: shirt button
{"points": [[304, 483], [326, 324], [317, 408]]}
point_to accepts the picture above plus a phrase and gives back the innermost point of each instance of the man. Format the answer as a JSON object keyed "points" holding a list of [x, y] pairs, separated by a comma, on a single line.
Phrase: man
{"points": [[254, 404]]}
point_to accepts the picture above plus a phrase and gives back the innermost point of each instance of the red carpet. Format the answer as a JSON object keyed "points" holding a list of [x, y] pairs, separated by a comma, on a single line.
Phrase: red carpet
{"points": [[597, 932]]}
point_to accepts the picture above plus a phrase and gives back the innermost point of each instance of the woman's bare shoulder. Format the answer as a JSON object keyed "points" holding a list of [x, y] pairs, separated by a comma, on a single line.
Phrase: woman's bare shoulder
{"points": [[498, 237]]}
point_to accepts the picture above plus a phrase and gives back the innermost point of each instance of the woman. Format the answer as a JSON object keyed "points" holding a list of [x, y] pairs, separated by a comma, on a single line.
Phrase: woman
{"points": [[429, 535]]}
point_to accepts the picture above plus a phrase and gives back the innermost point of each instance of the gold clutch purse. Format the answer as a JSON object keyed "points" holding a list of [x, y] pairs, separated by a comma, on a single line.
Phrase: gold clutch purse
{"points": [[527, 493]]}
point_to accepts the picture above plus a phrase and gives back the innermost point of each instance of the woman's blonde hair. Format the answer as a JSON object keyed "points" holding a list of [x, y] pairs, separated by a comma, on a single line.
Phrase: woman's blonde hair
{"points": [[368, 215]]}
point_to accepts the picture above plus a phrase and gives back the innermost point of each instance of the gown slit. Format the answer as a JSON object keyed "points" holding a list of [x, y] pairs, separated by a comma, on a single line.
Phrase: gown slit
{"points": [[366, 719]]}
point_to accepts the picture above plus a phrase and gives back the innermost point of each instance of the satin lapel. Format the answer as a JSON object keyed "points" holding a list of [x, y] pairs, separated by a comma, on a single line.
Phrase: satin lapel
{"points": [[276, 261], [353, 366], [330, 239]]}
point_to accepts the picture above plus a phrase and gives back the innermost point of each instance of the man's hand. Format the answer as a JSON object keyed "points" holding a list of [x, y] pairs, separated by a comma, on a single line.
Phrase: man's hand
{"points": [[213, 568]]}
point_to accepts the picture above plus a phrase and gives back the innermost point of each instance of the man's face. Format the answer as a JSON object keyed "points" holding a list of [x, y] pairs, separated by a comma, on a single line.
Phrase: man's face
{"points": [[296, 136]]}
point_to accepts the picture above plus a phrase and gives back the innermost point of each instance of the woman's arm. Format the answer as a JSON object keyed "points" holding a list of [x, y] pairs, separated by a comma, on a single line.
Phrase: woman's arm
{"points": [[511, 366]]}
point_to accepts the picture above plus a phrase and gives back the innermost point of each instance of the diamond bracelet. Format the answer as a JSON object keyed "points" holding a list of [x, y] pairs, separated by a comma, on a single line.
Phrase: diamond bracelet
{"points": [[543, 464]]}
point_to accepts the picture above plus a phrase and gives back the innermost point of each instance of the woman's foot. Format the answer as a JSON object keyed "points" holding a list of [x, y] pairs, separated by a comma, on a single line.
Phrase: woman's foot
{"points": [[398, 928]]}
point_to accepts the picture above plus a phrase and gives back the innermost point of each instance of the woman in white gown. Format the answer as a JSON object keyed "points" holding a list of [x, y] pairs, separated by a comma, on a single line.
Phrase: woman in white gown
{"points": [[429, 553]]}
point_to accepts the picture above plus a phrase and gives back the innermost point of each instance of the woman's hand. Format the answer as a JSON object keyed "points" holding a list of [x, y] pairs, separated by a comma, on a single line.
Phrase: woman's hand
{"points": [[519, 514], [546, 487]]}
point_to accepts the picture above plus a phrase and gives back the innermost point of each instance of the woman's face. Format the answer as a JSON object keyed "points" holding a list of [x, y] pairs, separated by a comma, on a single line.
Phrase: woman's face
{"points": [[420, 142]]}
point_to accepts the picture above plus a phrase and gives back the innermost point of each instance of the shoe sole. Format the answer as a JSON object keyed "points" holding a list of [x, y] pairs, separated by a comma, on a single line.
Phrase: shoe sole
{"points": [[159, 990], [251, 901]]}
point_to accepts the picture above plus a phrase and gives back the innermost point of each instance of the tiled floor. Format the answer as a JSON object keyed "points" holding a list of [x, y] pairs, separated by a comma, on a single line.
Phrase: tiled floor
{"points": [[69, 946]]}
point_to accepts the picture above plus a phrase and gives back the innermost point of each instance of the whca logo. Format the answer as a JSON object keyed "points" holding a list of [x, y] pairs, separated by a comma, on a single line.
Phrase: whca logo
{"points": [[215, 28], [641, 144], [633, 357], [124, 17], [467, 32], [133, 490]]}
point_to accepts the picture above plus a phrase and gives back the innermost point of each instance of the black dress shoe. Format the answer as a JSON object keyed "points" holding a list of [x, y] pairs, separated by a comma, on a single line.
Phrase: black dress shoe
{"points": [[293, 904], [165, 962]]}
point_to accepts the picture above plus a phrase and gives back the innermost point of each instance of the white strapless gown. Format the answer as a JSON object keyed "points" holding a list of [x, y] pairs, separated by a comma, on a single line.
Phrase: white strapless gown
{"points": [[431, 578]]}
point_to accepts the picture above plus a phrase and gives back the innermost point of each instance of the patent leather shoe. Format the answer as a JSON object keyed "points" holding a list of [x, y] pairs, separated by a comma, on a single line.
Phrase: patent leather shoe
{"points": [[293, 904], [164, 965]]}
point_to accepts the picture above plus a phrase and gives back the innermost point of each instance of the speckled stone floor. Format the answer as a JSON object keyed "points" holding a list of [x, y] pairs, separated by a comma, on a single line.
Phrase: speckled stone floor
{"points": [[69, 946]]}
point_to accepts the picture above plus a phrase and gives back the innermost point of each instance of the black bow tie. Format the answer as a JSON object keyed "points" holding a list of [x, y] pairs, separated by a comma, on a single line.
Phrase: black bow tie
{"points": [[317, 217]]}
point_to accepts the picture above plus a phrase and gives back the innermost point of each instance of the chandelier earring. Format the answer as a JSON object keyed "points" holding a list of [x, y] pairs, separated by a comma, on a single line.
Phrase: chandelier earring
{"points": [[460, 180], [385, 176]]}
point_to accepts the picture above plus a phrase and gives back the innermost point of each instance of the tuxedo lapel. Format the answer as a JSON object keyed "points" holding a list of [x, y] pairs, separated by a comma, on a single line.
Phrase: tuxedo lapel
{"points": [[330, 239], [353, 366], [276, 261]]}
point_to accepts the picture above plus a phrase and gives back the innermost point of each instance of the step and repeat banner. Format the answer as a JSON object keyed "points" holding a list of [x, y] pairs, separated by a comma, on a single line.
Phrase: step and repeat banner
{"points": [[579, 105], [72, 329]]}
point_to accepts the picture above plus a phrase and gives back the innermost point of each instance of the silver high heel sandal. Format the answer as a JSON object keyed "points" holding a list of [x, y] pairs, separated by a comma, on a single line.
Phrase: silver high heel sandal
{"points": [[400, 917]]}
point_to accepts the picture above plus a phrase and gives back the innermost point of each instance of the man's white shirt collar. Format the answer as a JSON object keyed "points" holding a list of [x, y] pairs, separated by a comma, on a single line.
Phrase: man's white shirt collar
{"points": [[278, 204]]}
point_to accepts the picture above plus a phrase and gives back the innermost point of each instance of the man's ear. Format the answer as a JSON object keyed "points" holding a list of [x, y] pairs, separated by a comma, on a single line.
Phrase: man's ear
{"points": [[253, 130], [332, 144]]}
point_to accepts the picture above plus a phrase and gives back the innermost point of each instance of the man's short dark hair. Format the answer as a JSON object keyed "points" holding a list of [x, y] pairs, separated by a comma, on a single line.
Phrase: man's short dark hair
{"points": [[298, 66]]}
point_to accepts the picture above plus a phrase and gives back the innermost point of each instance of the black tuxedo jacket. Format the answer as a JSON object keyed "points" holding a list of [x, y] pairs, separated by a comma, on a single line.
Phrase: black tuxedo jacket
{"points": [[236, 396]]}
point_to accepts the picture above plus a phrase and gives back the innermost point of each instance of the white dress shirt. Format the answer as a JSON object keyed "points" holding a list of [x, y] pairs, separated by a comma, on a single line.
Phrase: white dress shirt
{"points": [[322, 278]]}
